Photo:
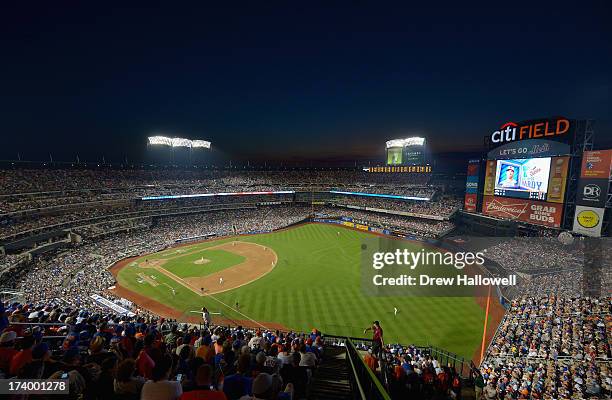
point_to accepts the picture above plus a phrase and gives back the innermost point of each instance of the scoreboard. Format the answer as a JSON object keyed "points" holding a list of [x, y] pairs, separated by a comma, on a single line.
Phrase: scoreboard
{"points": [[418, 169], [408, 151]]}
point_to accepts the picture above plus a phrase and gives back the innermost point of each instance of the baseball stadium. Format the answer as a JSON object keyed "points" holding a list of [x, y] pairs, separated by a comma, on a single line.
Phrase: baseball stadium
{"points": [[277, 257], [263, 205]]}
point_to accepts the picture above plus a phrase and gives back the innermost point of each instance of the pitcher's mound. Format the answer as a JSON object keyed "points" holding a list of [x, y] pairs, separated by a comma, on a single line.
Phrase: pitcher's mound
{"points": [[201, 261]]}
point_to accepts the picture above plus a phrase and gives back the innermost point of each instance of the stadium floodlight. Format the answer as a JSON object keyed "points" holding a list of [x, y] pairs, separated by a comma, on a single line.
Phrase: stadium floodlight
{"points": [[412, 141], [160, 140], [200, 143], [178, 142]]}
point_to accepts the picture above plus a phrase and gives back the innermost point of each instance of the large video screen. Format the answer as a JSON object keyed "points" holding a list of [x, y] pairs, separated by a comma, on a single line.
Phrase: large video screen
{"points": [[524, 178], [394, 156]]}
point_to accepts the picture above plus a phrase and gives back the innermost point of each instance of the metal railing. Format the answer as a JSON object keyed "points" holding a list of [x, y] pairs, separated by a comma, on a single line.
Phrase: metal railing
{"points": [[460, 364], [365, 384], [362, 377]]}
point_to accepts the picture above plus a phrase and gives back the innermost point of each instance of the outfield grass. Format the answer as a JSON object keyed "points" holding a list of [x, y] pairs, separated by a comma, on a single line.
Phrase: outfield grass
{"points": [[316, 283]]}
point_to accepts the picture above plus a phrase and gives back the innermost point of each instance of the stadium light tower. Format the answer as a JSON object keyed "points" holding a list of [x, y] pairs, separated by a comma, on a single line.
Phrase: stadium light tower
{"points": [[178, 142], [175, 142]]}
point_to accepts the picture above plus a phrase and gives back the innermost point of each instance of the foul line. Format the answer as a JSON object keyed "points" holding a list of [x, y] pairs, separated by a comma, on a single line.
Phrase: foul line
{"points": [[484, 332], [233, 309]]}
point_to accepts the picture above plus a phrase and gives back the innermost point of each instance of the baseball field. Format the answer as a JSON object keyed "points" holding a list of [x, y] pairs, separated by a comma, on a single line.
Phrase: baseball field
{"points": [[299, 278]]}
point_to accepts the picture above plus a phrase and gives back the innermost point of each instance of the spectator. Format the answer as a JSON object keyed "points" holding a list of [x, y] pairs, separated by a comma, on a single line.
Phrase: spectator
{"points": [[203, 389], [159, 387], [127, 384], [24, 355], [371, 361], [7, 349], [105, 384], [239, 384]]}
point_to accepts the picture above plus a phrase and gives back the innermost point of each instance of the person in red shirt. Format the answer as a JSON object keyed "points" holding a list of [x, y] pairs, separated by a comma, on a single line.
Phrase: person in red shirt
{"points": [[398, 371], [23, 357], [371, 360], [203, 390], [377, 337], [7, 350]]}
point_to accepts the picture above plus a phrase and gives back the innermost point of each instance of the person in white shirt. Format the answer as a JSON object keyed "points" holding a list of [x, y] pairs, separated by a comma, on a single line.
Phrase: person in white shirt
{"points": [[206, 317], [160, 388], [308, 359], [510, 181], [285, 355], [256, 341]]}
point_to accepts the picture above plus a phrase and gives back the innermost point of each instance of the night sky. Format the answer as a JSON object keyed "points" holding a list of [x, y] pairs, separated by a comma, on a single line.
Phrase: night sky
{"points": [[280, 81]]}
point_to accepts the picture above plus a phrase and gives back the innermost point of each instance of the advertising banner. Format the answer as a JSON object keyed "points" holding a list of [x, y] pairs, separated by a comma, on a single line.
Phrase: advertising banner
{"points": [[588, 220], [529, 211], [326, 221], [596, 164], [558, 179], [592, 192], [469, 203], [489, 181], [115, 307], [551, 129], [532, 148], [471, 186]]}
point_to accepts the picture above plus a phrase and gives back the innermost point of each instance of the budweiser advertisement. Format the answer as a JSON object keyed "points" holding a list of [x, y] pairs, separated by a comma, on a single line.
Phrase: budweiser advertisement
{"points": [[529, 211]]}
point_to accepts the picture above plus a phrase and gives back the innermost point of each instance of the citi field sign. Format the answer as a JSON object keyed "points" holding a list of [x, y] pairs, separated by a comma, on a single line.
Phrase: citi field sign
{"points": [[539, 129]]}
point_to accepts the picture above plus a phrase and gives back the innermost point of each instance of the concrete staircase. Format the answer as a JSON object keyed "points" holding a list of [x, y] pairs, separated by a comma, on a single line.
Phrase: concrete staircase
{"points": [[331, 379]]}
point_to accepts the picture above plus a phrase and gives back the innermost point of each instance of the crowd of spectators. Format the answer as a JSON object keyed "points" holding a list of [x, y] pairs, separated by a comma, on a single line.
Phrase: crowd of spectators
{"points": [[13, 228], [420, 227], [524, 378], [443, 207], [105, 228], [9, 260], [554, 340], [107, 356], [413, 372], [553, 327], [549, 358], [526, 254], [19, 180], [36, 200]]}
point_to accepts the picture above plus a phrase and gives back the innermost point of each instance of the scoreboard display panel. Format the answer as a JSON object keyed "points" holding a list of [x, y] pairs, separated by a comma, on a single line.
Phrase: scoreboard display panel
{"points": [[524, 178], [395, 156]]}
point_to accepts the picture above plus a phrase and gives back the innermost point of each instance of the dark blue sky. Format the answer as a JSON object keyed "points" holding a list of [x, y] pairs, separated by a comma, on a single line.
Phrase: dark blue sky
{"points": [[265, 80]]}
